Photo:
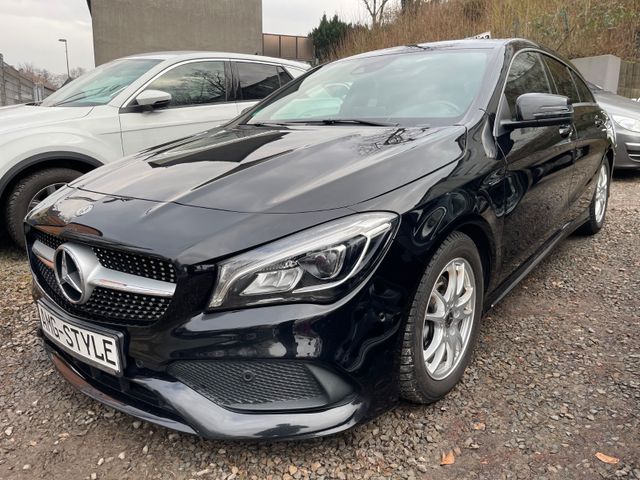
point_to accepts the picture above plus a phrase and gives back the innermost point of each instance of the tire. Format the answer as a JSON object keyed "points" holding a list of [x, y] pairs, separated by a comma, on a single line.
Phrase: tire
{"points": [[420, 380], [599, 202], [23, 193]]}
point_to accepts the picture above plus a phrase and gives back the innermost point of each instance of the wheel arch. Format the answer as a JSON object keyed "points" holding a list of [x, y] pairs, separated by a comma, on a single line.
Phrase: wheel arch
{"points": [[481, 233], [56, 159], [610, 156], [485, 245]]}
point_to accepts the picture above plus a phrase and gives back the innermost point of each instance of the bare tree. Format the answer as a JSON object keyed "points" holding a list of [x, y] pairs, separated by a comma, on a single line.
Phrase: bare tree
{"points": [[37, 75], [376, 10], [77, 72]]}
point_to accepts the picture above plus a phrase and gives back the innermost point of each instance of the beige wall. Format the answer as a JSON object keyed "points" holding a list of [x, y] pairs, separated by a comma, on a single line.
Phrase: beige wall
{"points": [[125, 27], [603, 70]]}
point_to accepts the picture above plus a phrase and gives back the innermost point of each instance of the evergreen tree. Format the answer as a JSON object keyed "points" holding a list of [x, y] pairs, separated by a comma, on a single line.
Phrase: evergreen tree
{"points": [[328, 35]]}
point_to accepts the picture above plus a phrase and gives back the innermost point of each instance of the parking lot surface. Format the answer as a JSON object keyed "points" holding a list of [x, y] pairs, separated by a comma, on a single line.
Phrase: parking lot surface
{"points": [[555, 381]]}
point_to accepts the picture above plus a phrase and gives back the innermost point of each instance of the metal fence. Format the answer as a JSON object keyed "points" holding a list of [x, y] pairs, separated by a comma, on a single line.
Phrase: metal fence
{"points": [[288, 46], [16, 88], [629, 80]]}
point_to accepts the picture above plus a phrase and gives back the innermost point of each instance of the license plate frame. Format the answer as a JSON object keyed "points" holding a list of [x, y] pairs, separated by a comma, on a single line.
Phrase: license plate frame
{"points": [[80, 337]]}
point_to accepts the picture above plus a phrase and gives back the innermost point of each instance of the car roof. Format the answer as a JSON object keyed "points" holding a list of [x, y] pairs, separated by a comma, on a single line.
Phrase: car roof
{"points": [[467, 43], [176, 56]]}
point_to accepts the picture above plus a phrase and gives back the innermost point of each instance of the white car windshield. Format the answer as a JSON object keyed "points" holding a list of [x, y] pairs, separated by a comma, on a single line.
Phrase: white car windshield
{"points": [[416, 88], [99, 86]]}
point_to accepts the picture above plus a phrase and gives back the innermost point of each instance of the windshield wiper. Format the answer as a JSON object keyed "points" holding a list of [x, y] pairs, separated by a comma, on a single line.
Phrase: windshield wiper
{"points": [[265, 124], [347, 121]]}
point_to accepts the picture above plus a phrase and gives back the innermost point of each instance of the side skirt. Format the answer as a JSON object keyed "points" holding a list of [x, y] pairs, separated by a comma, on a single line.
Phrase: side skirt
{"points": [[516, 277]]}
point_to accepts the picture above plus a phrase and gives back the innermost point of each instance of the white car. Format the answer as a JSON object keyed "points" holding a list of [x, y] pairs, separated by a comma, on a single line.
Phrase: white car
{"points": [[119, 108]]}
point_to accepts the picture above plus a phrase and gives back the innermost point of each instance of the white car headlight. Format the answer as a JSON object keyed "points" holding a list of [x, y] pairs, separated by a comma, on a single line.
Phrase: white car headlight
{"points": [[628, 123], [315, 265]]}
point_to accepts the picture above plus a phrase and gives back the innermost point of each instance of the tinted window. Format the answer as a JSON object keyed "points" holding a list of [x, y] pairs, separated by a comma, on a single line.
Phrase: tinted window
{"points": [[583, 90], [527, 75], [562, 79], [257, 80], [418, 88], [193, 84]]}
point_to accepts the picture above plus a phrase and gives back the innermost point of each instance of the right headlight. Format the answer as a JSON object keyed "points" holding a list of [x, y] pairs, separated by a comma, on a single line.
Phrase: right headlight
{"points": [[628, 123], [315, 265]]}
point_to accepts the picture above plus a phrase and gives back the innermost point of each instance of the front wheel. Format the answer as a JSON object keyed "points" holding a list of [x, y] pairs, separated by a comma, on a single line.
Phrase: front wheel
{"points": [[599, 202], [30, 191], [443, 322]]}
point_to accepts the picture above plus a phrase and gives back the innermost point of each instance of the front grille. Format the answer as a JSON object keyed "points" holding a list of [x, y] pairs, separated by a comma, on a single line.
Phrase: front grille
{"points": [[136, 264], [633, 150], [249, 383], [125, 262], [50, 241], [105, 306]]}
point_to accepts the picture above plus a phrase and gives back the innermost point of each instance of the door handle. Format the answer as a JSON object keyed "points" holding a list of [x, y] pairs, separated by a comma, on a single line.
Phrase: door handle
{"points": [[565, 131]]}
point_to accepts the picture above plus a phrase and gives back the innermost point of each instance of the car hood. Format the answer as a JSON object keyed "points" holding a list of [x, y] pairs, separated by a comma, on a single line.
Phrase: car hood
{"points": [[254, 169], [613, 103], [19, 117]]}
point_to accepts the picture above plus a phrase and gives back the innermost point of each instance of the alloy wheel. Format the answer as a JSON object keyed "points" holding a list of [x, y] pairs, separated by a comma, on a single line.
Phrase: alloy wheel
{"points": [[449, 318], [602, 193]]}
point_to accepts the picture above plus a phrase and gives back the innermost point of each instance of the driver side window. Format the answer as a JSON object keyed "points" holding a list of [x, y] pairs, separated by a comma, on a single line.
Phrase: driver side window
{"points": [[527, 75], [194, 83]]}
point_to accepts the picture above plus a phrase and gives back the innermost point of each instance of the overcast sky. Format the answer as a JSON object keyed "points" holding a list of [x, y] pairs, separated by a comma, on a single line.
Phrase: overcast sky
{"points": [[30, 29]]}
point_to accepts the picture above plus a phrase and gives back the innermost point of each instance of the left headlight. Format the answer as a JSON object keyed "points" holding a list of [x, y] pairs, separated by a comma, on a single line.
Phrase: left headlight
{"points": [[628, 123], [315, 265]]}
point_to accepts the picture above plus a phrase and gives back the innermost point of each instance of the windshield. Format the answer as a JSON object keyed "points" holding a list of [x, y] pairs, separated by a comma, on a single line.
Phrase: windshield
{"points": [[99, 86], [423, 88]]}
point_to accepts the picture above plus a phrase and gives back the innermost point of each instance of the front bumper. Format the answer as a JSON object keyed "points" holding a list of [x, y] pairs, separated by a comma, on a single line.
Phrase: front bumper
{"points": [[350, 347], [627, 150], [324, 367], [187, 411]]}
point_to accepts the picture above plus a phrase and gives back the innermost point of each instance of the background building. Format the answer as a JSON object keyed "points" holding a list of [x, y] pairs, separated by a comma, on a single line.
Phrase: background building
{"points": [[125, 27]]}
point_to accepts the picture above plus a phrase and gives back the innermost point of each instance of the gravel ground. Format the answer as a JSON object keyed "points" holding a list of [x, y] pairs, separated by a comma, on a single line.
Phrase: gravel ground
{"points": [[555, 380]]}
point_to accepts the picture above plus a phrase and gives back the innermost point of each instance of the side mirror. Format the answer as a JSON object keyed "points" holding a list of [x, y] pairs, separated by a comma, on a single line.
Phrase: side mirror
{"points": [[540, 110], [154, 99], [245, 110]]}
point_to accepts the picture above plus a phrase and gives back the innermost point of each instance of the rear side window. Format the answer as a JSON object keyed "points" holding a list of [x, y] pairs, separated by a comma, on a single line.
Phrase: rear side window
{"points": [[257, 80], [284, 76], [562, 79], [527, 75], [193, 83], [583, 91]]}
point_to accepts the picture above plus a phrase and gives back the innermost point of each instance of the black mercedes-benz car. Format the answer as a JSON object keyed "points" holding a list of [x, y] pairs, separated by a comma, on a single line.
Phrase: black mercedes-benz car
{"points": [[330, 251]]}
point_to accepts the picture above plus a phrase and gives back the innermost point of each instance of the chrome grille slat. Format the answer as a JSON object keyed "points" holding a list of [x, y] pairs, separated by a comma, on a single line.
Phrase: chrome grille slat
{"points": [[121, 261], [135, 264], [116, 297], [104, 307]]}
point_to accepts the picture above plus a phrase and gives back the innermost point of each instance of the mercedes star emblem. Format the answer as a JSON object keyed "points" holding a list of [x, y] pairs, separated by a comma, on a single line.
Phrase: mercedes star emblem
{"points": [[68, 275]]}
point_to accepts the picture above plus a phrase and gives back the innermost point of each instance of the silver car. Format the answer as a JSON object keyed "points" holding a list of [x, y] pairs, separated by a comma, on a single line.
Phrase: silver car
{"points": [[626, 117]]}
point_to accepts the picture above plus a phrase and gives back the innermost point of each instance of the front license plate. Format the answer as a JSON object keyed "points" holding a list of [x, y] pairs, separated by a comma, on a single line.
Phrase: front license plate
{"points": [[98, 349]]}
